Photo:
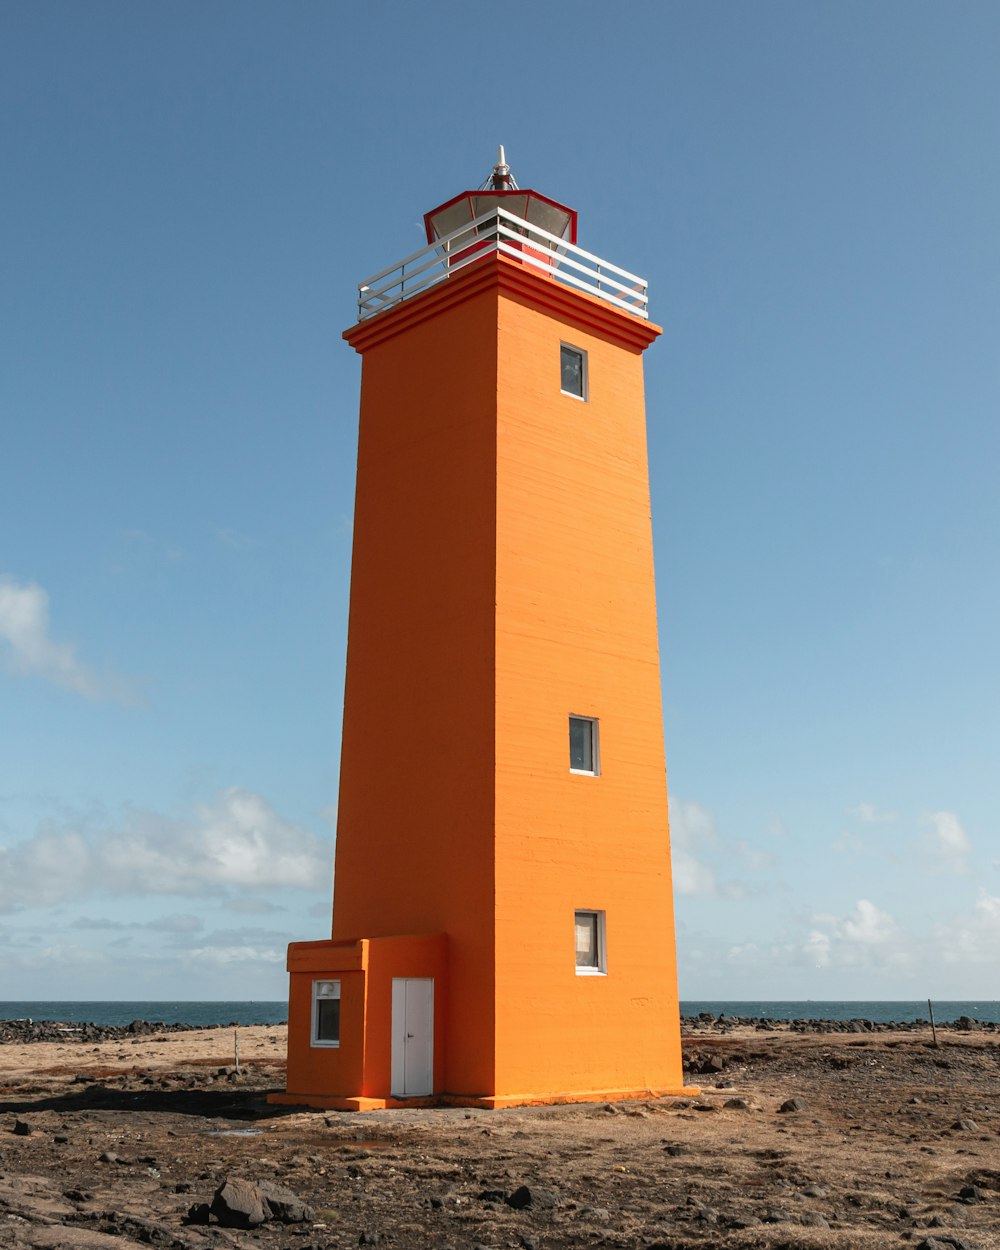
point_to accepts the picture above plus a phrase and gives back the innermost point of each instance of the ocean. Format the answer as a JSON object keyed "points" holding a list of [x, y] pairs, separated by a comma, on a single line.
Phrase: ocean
{"points": [[266, 1012], [204, 1014]]}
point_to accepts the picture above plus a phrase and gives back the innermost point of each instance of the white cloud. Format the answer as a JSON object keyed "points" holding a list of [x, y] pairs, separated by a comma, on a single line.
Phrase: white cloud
{"points": [[947, 840], [164, 924], [697, 853], [65, 956], [748, 953], [817, 948], [753, 857], [866, 936], [226, 956], [691, 876], [251, 906], [867, 926], [869, 814], [232, 938], [51, 866], [691, 826], [29, 650], [973, 939], [236, 842]]}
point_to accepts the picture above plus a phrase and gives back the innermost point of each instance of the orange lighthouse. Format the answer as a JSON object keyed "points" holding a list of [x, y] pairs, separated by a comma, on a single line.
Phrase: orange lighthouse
{"points": [[503, 918]]}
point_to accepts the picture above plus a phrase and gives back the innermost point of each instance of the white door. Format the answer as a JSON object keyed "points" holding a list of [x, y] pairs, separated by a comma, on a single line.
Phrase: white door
{"points": [[412, 1036]]}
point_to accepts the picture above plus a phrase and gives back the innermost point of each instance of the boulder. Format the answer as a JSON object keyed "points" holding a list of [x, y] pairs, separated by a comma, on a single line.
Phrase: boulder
{"points": [[524, 1197], [282, 1205], [792, 1104], [238, 1204]]}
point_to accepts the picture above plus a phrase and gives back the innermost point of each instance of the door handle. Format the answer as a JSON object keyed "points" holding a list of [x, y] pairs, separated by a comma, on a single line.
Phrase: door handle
{"points": [[408, 1036]]}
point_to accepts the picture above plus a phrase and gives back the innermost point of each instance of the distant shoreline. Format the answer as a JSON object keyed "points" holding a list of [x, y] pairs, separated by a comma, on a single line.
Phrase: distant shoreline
{"points": [[28, 1028]]}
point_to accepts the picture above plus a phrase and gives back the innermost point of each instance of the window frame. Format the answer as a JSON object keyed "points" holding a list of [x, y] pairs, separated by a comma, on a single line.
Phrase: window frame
{"points": [[600, 968], [584, 395], [317, 998], [595, 747]]}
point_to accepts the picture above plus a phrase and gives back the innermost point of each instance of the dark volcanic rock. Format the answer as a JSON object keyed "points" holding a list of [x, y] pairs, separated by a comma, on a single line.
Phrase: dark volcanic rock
{"points": [[22, 1128], [238, 1204], [282, 1205], [199, 1213], [743, 1221], [984, 1178], [26, 1030], [777, 1215], [541, 1199], [597, 1215], [792, 1104]]}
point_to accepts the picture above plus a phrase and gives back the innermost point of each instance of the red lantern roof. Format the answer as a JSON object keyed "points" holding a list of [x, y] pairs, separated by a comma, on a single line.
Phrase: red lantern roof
{"points": [[502, 191]]}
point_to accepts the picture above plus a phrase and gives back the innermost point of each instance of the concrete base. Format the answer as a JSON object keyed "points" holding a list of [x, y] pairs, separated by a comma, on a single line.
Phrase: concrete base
{"points": [[332, 1102], [494, 1102]]}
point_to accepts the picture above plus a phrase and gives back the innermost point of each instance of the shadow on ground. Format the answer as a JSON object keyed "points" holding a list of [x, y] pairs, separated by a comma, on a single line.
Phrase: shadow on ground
{"points": [[212, 1104]]}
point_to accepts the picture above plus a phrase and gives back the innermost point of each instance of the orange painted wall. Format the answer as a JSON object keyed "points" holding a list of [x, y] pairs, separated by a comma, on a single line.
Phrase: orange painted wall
{"points": [[577, 633], [415, 825], [503, 580]]}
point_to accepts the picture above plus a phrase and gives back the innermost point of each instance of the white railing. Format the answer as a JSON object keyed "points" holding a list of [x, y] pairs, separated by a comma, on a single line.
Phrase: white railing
{"points": [[500, 231]]}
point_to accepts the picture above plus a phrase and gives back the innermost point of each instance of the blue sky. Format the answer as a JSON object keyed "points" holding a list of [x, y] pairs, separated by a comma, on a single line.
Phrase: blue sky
{"points": [[192, 193]]}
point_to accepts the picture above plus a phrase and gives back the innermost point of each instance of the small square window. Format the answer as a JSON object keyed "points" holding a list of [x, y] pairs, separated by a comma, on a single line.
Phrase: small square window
{"points": [[590, 943], [584, 756], [573, 370], [326, 1013]]}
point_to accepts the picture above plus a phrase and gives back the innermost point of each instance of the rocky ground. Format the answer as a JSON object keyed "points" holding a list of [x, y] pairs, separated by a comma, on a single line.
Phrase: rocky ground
{"points": [[801, 1138]]}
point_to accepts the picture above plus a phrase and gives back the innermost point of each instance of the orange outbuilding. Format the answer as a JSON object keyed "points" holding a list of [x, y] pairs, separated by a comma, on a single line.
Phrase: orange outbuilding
{"points": [[503, 918]]}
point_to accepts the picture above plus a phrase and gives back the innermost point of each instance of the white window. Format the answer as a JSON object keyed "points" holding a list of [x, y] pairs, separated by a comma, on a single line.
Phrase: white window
{"points": [[573, 370], [326, 1013], [584, 756], [591, 958]]}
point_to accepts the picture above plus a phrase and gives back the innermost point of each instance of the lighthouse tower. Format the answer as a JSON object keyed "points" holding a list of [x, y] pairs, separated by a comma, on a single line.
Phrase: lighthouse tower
{"points": [[503, 920]]}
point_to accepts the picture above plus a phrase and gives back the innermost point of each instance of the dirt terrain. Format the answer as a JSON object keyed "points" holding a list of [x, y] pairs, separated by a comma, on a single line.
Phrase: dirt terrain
{"points": [[884, 1140]]}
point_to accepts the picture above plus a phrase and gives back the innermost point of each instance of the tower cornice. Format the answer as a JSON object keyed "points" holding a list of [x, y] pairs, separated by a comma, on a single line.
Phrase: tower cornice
{"points": [[516, 280]]}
